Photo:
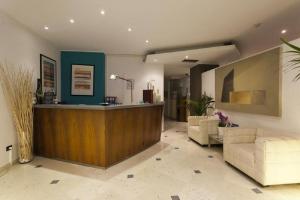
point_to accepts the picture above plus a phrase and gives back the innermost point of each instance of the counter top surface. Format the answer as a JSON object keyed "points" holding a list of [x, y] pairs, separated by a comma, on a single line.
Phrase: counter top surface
{"points": [[95, 107]]}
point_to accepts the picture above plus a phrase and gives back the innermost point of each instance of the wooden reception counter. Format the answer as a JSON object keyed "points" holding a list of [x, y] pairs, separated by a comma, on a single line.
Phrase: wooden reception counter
{"points": [[95, 135]]}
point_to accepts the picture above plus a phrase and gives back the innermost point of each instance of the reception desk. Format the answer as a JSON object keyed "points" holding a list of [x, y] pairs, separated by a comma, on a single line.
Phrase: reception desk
{"points": [[95, 135]]}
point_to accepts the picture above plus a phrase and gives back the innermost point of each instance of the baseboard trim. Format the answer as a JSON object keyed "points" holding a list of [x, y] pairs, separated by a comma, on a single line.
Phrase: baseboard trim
{"points": [[6, 167]]}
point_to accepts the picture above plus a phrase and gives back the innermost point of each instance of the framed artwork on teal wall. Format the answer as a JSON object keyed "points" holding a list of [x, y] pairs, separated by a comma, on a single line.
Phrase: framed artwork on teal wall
{"points": [[70, 58], [82, 80], [48, 74]]}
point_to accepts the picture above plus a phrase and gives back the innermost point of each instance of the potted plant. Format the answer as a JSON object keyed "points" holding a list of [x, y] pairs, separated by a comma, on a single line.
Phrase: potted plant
{"points": [[295, 61], [200, 106], [224, 120], [224, 123]]}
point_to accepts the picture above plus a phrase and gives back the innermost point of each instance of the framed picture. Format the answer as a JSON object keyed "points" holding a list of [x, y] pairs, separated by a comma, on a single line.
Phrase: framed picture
{"points": [[82, 81], [48, 74]]}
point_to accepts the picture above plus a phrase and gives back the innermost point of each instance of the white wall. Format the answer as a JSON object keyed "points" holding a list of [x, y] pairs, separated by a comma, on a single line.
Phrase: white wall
{"points": [[289, 120], [132, 67], [18, 46], [208, 86]]}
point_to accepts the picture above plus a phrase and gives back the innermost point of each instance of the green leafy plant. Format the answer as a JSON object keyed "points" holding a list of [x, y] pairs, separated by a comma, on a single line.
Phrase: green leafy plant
{"points": [[200, 106], [294, 63]]}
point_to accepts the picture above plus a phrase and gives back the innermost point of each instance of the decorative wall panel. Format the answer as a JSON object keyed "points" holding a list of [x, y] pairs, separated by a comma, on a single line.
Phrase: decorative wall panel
{"points": [[251, 85]]}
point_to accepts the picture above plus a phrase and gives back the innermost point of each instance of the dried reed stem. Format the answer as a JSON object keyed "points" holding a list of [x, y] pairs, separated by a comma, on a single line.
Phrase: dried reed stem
{"points": [[17, 85]]}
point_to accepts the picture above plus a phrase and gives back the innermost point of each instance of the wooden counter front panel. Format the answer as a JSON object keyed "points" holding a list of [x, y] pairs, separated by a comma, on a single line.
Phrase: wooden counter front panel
{"points": [[96, 137], [130, 131], [73, 135]]}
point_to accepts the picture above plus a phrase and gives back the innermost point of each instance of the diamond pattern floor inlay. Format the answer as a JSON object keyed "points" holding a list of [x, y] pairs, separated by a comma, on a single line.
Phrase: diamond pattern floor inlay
{"points": [[176, 197], [141, 177], [130, 176], [256, 190], [54, 182]]}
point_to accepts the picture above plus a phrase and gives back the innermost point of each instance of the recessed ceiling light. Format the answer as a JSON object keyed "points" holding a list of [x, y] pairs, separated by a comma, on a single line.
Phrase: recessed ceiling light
{"points": [[129, 29], [155, 60], [72, 21], [102, 12], [147, 41], [283, 31], [186, 57], [46, 27]]}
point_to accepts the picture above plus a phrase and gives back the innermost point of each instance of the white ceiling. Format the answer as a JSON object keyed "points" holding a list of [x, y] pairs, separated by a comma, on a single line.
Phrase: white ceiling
{"points": [[210, 55], [176, 71], [165, 23]]}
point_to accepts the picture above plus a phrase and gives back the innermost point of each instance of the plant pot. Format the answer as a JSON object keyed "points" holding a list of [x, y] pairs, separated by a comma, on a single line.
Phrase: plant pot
{"points": [[221, 131]]}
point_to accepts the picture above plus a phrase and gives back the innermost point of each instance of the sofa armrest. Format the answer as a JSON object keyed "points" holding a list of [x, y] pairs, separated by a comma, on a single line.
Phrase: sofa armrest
{"points": [[238, 135], [194, 120], [277, 160]]}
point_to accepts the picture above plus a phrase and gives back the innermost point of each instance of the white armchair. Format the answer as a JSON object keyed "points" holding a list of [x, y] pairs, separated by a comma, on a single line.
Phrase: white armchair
{"points": [[199, 127], [269, 158]]}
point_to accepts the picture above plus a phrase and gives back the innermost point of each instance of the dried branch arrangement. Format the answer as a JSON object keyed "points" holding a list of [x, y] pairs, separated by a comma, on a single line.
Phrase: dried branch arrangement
{"points": [[17, 85]]}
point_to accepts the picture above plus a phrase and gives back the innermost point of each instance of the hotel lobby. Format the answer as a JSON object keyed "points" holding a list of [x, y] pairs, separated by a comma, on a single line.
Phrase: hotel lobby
{"points": [[166, 100]]}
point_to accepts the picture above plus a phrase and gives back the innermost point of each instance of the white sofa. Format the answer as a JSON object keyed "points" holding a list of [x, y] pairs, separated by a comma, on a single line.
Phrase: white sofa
{"points": [[268, 157], [199, 127]]}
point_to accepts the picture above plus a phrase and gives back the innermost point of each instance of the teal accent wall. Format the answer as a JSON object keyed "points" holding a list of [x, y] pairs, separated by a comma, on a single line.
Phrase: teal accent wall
{"points": [[82, 58]]}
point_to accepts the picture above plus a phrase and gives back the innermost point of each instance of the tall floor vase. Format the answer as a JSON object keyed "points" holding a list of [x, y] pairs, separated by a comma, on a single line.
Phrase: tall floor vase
{"points": [[17, 86], [25, 147]]}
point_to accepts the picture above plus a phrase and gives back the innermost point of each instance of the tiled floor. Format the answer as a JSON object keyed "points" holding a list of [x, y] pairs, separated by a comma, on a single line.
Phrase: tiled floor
{"points": [[184, 171]]}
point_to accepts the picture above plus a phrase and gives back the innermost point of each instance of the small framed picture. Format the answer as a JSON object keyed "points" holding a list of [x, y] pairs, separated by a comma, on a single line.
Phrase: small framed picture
{"points": [[82, 81], [48, 74]]}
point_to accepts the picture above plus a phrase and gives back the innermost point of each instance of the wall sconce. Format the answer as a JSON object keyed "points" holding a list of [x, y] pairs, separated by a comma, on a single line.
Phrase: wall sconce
{"points": [[115, 77]]}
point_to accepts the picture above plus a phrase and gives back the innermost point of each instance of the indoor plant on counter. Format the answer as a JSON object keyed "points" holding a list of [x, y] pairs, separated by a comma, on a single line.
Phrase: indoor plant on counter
{"points": [[17, 86], [199, 107]]}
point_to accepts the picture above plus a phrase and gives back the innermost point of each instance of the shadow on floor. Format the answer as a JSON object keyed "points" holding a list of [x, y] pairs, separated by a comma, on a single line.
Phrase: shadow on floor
{"points": [[96, 172]]}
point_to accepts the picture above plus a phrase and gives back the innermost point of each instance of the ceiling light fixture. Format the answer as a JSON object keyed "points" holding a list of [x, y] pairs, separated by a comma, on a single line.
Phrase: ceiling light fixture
{"points": [[283, 31], [147, 41], [155, 60], [72, 21], [129, 29], [102, 12], [46, 27], [186, 57]]}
